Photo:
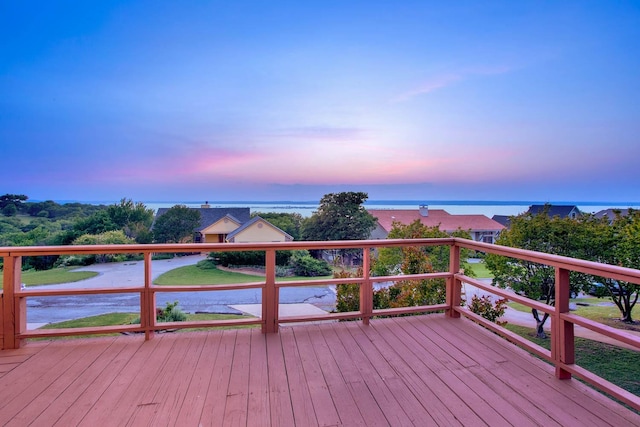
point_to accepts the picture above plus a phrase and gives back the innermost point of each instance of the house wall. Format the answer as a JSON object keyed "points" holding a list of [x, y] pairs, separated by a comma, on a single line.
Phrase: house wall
{"points": [[223, 226], [259, 232]]}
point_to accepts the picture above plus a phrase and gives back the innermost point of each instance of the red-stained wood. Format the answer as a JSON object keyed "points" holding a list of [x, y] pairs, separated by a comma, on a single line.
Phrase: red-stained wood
{"points": [[300, 391], [235, 410], [215, 400], [281, 409], [416, 370], [258, 409]]}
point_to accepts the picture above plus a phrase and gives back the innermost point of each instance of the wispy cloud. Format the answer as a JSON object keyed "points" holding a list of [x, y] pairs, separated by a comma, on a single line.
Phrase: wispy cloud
{"points": [[322, 133], [445, 80]]}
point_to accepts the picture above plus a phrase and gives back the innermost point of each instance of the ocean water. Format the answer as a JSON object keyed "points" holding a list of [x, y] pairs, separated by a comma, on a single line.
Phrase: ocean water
{"points": [[455, 207]]}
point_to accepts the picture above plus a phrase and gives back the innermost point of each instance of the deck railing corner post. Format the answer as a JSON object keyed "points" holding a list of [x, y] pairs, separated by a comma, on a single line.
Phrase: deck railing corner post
{"points": [[563, 343], [454, 285], [270, 295]]}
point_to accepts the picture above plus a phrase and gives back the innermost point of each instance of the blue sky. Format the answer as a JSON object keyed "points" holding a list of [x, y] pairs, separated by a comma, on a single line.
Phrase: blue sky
{"points": [[289, 100]]}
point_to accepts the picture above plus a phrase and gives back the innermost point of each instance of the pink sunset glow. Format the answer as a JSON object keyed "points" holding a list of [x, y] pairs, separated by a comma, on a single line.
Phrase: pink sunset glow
{"points": [[421, 100]]}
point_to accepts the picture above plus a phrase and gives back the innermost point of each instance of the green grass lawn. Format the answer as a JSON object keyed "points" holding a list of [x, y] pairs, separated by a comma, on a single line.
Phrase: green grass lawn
{"points": [[53, 276], [111, 319], [194, 275], [617, 365], [481, 271]]}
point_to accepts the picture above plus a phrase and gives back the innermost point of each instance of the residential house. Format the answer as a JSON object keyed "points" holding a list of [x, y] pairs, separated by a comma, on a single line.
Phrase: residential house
{"points": [[611, 213], [481, 228], [562, 211], [233, 225], [502, 219]]}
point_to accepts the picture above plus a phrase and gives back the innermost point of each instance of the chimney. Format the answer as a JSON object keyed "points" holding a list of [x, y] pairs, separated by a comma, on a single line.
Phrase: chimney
{"points": [[206, 205], [424, 210]]}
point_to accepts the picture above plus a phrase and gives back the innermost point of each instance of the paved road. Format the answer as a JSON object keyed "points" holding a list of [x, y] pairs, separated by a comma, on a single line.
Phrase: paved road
{"points": [[56, 309]]}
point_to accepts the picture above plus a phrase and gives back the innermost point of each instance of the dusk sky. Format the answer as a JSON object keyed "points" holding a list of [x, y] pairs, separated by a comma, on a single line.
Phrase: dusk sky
{"points": [[288, 100]]}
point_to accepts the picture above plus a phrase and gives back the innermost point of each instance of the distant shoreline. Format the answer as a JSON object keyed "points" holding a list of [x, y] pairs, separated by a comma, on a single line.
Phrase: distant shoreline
{"points": [[371, 202]]}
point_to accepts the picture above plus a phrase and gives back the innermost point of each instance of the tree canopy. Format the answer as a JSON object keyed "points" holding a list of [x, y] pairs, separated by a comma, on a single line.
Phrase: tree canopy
{"points": [[586, 238], [176, 225], [340, 216]]}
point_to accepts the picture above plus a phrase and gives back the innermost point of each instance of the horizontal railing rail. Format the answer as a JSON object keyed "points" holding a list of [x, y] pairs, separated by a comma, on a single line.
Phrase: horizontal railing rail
{"points": [[13, 309]]}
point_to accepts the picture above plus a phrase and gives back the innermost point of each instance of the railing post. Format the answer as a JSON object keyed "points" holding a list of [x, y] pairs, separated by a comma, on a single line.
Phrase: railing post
{"points": [[454, 285], [14, 310], [563, 349], [148, 301], [366, 288], [270, 295]]}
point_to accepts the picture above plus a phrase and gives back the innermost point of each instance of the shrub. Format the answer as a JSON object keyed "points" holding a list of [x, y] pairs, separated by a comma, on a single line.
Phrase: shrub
{"points": [[406, 293], [170, 313], [485, 307], [247, 258], [305, 265]]}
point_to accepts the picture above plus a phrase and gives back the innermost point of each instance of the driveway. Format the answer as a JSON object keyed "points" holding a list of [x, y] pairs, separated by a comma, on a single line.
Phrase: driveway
{"points": [[42, 310]]}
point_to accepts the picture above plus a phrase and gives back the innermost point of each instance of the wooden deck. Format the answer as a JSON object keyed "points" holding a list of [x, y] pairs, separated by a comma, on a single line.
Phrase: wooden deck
{"points": [[420, 370]]}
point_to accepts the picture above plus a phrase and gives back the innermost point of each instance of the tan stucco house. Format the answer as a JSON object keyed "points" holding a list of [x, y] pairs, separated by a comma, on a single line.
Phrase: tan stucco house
{"points": [[233, 225]]}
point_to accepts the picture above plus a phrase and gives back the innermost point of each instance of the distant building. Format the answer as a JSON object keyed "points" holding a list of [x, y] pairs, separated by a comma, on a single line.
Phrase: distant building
{"points": [[233, 225], [611, 213], [502, 219], [481, 228], [562, 211]]}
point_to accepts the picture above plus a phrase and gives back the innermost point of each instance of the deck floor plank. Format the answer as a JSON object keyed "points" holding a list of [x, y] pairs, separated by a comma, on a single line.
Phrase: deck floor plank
{"points": [[429, 369], [258, 409], [384, 396], [279, 394], [190, 410], [216, 398], [582, 396], [176, 381], [51, 374], [417, 370], [345, 403], [364, 399], [72, 379], [235, 410]]}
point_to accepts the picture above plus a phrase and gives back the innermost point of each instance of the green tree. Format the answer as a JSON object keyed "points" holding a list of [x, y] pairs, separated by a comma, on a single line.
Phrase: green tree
{"points": [[176, 225], [391, 260], [617, 243], [133, 218], [17, 200], [560, 236], [9, 210], [341, 216]]}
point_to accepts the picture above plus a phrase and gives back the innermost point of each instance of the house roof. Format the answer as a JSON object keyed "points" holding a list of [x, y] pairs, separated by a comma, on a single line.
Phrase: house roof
{"points": [[210, 215], [436, 217], [611, 213], [252, 221], [502, 219], [562, 211]]}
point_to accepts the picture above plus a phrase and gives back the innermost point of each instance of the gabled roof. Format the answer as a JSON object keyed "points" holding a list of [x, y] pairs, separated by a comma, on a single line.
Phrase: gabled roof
{"points": [[563, 211], [436, 217], [210, 215], [502, 219], [252, 221], [611, 213]]}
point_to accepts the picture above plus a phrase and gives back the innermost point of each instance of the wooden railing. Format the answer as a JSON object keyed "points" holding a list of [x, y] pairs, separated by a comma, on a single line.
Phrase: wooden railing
{"points": [[562, 354]]}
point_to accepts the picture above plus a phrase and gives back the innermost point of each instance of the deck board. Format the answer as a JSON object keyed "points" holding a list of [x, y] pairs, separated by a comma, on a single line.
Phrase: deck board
{"points": [[418, 370]]}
